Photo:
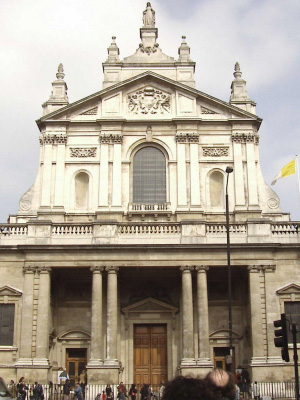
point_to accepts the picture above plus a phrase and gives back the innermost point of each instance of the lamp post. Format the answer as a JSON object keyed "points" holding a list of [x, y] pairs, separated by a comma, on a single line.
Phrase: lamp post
{"points": [[228, 171]]}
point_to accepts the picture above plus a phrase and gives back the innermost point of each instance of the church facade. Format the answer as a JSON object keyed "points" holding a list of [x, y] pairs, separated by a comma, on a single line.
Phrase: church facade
{"points": [[116, 260]]}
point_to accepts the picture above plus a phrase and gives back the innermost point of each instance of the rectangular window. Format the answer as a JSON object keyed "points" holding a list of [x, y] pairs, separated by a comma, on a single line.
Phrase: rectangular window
{"points": [[7, 317], [292, 312]]}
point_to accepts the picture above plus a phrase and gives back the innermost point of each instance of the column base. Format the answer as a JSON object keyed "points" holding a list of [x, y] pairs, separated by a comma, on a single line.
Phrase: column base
{"points": [[187, 362], [24, 362], [205, 363], [41, 362], [110, 362], [257, 361], [95, 363]]}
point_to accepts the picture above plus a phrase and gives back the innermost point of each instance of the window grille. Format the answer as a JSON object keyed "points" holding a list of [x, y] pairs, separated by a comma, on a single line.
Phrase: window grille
{"points": [[7, 316], [149, 176]]}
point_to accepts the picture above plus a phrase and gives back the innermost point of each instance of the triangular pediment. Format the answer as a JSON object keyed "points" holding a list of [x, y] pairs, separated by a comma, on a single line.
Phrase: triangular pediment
{"points": [[189, 102], [9, 291], [150, 305], [289, 288]]}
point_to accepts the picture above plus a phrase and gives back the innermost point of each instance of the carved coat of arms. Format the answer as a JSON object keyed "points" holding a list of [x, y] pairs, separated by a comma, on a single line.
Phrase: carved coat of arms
{"points": [[149, 101]]}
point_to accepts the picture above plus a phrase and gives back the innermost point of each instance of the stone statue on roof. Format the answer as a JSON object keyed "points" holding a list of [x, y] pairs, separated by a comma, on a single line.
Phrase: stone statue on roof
{"points": [[149, 16]]}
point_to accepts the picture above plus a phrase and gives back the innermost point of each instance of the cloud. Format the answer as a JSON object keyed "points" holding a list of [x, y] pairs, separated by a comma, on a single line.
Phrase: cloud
{"points": [[38, 35]]}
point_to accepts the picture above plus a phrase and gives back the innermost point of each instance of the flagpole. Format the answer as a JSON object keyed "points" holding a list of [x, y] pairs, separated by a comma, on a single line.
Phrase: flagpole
{"points": [[297, 168]]}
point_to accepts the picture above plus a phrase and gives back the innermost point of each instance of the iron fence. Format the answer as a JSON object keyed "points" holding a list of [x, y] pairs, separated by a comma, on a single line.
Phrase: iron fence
{"points": [[275, 390]]}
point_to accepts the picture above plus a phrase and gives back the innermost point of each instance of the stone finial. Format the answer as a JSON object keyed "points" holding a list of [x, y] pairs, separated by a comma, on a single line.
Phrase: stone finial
{"points": [[60, 72], [239, 96], [149, 16], [113, 51], [58, 97], [184, 51], [237, 71]]}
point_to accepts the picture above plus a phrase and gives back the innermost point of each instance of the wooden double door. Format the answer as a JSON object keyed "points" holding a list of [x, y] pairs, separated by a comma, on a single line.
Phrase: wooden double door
{"points": [[150, 354], [76, 360]]}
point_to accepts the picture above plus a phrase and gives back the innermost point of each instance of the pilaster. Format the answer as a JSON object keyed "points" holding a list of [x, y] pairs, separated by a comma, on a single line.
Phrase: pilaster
{"points": [[103, 176], [43, 311], [25, 352], [258, 353], [194, 172], [181, 175], [60, 173]]}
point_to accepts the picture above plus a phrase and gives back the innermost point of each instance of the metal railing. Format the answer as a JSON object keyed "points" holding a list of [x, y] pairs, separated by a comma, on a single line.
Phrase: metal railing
{"points": [[275, 390]]}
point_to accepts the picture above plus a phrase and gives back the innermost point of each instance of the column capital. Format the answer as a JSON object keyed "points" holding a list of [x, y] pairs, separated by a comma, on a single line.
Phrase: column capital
{"points": [[201, 268], [111, 269], [44, 270], [254, 268], [186, 268], [269, 268], [29, 269], [97, 269]]}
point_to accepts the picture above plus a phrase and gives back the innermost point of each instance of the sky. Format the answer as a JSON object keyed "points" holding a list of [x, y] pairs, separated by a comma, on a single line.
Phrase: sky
{"points": [[37, 35]]}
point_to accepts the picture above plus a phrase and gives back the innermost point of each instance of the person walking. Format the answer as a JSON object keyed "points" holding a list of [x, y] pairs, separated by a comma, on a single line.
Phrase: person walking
{"points": [[133, 391], [78, 391], [66, 389]]}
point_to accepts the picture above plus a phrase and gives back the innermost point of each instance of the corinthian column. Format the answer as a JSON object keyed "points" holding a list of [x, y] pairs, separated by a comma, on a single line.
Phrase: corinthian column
{"points": [[96, 329], [188, 355], [256, 313], [27, 316], [42, 333], [203, 321], [112, 315]]}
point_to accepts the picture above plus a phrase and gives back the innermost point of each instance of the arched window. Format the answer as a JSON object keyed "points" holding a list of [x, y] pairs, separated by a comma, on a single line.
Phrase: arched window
{"points": [[81, 190], [216, 189], [149, 176]]}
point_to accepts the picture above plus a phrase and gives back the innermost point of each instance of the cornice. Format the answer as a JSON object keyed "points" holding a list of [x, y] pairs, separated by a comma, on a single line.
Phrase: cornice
{"points": [[154, 75]]}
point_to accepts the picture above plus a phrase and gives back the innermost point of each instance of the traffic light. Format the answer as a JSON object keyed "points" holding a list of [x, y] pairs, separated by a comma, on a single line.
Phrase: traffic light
{"points": [[281, 339]]}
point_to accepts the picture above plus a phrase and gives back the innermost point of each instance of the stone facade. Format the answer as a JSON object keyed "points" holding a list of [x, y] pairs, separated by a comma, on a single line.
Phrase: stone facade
{"points": [[86, 262]]}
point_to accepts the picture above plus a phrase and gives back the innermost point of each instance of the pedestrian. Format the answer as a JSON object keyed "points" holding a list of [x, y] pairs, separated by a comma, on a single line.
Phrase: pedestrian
{"points": [[256, 391], [133, 391], [66, 389], [121, 391], [21, 387], [109, 393], [38, 392], [78, 391], [13, 388], [145, 392], [103, 396], [83, 381], [161, 390]]}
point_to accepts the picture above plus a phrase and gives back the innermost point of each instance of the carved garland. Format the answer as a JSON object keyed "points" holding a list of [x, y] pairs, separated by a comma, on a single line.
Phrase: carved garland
{"points": [[187, 138], [205, 110], [53, 139], [215, 151], [92, 111], [148, 50], [111, 139], [245, 138], [83, 152]]}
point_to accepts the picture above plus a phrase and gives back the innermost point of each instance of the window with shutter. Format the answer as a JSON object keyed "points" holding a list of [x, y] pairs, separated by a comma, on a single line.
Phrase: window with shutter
{"points": [[149, 176], [7, 317]]}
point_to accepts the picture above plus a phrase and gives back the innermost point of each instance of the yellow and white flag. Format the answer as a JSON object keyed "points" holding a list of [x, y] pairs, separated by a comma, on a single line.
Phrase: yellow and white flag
{"points": [[288, 169]]}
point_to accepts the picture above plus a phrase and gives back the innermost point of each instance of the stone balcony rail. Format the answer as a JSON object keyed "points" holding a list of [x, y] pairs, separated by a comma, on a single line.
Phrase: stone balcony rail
{"points": [[149, 207], [185, 232]]}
